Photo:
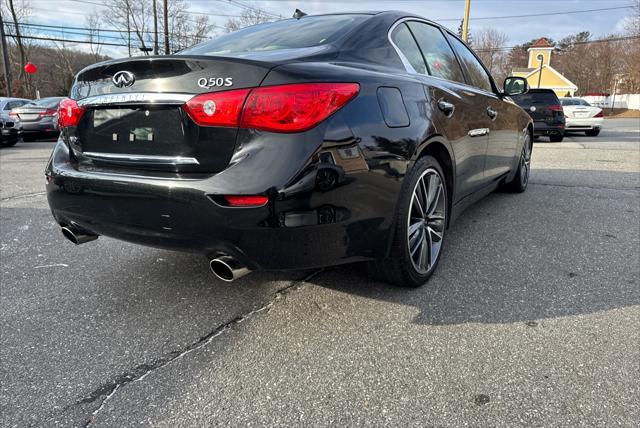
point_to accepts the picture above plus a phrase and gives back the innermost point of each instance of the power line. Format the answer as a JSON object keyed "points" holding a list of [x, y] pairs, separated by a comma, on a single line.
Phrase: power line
{"points": [[614, 39]]}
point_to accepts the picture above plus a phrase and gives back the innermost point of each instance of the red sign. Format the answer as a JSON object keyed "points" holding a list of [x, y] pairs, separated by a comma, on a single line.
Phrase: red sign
{"points": [[30, 68]]}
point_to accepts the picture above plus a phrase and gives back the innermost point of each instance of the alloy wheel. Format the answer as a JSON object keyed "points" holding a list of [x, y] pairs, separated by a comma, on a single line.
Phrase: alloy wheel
{"points": [[525, 162], [426, 225]]}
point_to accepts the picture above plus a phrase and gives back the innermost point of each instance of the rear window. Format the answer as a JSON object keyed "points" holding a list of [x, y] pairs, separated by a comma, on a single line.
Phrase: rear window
{"points": [[547, 98], [286, 34], [574, 102], [46, 102]]}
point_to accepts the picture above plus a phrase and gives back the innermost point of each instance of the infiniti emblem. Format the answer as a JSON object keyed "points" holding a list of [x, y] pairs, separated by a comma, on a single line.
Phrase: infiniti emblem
{"points": [[123, 79]]}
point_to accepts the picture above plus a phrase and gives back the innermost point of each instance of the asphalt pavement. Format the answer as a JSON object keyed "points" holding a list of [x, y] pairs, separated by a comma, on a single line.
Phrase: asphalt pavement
{"points": [[532, 318]]}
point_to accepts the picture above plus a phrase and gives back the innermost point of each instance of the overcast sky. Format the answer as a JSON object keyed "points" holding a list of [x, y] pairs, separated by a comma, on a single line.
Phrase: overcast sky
{"points": [[449, 13]]}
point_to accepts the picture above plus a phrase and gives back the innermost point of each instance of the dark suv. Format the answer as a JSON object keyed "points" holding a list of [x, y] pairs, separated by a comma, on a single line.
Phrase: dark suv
{"points": [[546, 111]]}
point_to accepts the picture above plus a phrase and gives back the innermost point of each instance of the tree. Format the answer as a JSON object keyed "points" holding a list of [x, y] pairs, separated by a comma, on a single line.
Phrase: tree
{"points": [[20, 12], [460, 28], [248, 17], [489, 44], [92, 23]]}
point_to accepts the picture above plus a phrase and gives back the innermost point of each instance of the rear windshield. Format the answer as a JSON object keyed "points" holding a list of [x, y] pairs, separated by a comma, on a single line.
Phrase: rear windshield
{"points": [[548, 98], [306, 32], [574, 102], [46, 102]]}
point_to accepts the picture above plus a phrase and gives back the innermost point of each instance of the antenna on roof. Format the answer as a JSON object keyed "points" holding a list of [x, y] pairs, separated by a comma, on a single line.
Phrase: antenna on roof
{"points": [[299, 14]]}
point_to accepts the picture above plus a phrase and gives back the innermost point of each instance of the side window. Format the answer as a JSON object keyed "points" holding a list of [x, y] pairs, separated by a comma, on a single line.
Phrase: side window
{"points": [[477, 74], [405, 42], [441, 61]]}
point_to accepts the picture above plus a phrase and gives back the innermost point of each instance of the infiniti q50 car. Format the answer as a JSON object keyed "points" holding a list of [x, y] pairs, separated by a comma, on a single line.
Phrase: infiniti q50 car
{"points": [[301, 143]]}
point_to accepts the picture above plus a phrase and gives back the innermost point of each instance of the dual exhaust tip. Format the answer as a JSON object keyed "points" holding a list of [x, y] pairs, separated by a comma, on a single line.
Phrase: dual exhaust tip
{"points": [[226, 268], [78, 236]]}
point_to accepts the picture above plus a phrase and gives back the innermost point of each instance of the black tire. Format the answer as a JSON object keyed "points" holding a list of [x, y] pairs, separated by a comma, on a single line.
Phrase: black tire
{"points": [[556, 138], [592, 132], [428, 233], [521, 179]]}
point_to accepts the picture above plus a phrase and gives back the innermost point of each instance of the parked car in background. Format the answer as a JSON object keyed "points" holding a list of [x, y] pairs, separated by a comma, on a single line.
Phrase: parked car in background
{"points": [[546, 111], [39, 118], [293, 144], [11, 128], [10, 131], [582, 116]]}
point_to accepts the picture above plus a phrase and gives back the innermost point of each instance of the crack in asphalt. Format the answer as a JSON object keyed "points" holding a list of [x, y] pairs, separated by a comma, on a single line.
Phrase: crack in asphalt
{"points": [[26, 195], [140, 372], [636, 188]]}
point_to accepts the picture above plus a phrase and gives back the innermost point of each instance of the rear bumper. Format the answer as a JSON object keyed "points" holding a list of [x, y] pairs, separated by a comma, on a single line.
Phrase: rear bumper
{"points": [[43, 127], [302, 226], [583, 124], [10, 134], [544, 128]]}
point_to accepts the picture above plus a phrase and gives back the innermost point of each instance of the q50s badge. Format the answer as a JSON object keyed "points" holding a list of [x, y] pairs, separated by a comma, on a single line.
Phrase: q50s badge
{"points": [[214, 82]]}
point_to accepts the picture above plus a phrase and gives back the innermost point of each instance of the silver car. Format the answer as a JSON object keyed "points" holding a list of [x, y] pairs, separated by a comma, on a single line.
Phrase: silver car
{"points": [[10, 126]]}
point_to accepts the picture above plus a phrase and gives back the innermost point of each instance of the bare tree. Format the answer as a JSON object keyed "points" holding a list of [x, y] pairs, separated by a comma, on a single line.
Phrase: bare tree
{"points": [[93, 23], [489, 44], [247, 18], [134, 17], [20, 12]]}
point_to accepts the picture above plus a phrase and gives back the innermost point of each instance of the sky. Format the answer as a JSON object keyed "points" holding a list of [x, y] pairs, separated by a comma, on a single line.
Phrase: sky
{"points": [[448, 12]]}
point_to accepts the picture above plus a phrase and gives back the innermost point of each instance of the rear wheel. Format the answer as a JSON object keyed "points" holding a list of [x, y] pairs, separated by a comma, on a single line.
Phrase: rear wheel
{"points": [[521, 179], [419, 229], [592, 132], [556, 138]]}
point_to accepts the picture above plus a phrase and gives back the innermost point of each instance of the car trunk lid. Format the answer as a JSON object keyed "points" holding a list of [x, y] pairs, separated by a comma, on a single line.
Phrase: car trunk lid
{"points": [[134, 118]]}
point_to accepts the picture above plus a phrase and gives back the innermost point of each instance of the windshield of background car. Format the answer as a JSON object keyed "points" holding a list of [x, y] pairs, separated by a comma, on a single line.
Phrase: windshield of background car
{"points": [[546, 98], [45, 102], [306, 32]]}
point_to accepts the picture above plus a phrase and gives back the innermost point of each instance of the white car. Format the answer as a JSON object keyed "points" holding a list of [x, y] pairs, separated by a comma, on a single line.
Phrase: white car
{"points": [[582, 116]]}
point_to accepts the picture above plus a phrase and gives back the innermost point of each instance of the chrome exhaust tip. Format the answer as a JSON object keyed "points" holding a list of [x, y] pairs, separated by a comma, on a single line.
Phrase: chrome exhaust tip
{"points": [[77, 236], [227, 268]]}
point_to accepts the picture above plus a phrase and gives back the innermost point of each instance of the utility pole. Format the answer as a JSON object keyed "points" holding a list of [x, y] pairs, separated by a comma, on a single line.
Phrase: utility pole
{"points": [[166, 28], [155, 28], [465, 20], [5, 57]]}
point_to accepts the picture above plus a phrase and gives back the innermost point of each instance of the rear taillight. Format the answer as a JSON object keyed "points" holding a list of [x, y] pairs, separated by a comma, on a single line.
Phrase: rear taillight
{"points": [[599, 114], [246, 201], [217, 108], [296, 107], [69, 113], [557, 107], [49, 112], [284, 108], [14, 115]]}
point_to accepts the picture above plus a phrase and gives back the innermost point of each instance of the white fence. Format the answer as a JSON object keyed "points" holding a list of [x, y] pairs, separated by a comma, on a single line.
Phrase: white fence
{"points": [[630, 101]]}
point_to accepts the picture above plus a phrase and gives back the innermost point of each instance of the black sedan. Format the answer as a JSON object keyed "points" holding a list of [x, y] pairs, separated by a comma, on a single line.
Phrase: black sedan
{"points": [[301, 143], [39, 118]]}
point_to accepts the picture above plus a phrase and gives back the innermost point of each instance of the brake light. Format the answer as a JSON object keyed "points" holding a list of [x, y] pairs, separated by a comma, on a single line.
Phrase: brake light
{"points": [[599, 114], [556, 107], [247, 201], [48, 112], [14, 115], [69, 113], [217, 108], [296, 107]]}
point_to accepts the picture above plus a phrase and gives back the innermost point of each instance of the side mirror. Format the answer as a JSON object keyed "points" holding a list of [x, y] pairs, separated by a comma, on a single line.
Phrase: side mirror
{"points": [[515, 86]]}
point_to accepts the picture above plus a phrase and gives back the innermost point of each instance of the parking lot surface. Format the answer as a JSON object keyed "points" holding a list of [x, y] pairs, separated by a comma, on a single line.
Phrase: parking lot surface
{"points": [[532, 318]]}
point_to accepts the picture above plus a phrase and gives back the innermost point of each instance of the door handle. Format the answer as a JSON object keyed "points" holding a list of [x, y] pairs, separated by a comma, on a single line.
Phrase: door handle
{"points": [[492, 113], [446, 107]]}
